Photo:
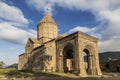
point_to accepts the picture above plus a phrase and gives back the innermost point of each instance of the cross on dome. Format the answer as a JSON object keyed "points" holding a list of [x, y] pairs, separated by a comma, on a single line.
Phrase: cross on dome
{"points": [[47, 10]]}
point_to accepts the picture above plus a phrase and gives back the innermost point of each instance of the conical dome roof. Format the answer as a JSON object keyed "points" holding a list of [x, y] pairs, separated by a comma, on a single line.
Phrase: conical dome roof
{"points": [[47, 19]]}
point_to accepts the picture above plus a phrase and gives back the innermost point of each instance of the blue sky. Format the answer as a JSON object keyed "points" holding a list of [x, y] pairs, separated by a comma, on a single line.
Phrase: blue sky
{"points": [[19, 19]]}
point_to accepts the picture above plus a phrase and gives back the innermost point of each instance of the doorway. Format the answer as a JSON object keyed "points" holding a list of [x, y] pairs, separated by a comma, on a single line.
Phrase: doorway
{"points": [[86, 60], [68, 59]]}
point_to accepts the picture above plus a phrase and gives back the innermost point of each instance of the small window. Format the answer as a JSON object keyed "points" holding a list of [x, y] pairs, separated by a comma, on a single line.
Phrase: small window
{"points": [[49, 58]]}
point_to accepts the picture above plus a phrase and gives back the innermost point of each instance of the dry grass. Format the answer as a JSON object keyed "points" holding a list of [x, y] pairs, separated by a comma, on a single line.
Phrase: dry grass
{"points": [[9, 74], [14, 72]]}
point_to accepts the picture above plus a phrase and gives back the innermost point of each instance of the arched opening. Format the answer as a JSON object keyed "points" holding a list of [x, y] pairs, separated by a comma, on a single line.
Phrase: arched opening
{"points": [[68, 59], [86, 59]]}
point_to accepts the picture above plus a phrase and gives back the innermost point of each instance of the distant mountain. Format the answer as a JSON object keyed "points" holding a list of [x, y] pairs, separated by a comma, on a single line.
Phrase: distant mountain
{"points": [[106, 55], [12, 66]]}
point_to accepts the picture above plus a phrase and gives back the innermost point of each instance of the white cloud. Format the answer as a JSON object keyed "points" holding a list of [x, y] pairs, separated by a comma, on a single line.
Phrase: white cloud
{"points": [[91, 31], [41, 5], [112, 44], [10, 18], [107, 12], [104, 10], [9, 52], [93, 5], [12, 23], [13, 34], [112, 27], [78, 28], [12, 14], [112, 16], [109, 45]]}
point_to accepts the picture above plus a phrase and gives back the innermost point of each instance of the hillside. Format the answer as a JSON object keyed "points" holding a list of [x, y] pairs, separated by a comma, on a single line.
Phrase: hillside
{"points": [[113, 55]]}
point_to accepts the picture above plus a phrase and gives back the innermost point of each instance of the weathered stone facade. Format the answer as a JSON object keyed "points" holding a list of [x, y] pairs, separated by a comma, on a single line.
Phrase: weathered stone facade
{"points": [[64, 53]]}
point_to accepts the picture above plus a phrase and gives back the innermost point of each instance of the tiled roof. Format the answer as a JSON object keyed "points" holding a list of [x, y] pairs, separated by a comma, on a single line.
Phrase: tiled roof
{"points": [[47, 19]]}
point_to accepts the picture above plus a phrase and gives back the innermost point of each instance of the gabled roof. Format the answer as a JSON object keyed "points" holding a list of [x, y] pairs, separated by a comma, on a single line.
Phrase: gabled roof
{"points": [[34, 40], [61, 36], [47, 19]]}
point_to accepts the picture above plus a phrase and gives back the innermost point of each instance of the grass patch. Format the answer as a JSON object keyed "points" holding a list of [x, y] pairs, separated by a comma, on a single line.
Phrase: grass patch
{"points": [[6, 71], [17, 73], [13, 72]]}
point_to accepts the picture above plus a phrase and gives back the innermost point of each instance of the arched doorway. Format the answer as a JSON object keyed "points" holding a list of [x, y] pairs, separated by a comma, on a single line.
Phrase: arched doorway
{"points": [[68, 59], [86, 60]]}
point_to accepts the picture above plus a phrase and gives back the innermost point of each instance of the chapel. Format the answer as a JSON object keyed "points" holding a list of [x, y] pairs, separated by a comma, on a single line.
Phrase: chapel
{"points": [[50, 52]]}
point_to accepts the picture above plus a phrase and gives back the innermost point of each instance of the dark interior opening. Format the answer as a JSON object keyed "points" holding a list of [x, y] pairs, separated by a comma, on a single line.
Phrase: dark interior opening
{"points": [[69, 54], [86, 59], [68, 59]]}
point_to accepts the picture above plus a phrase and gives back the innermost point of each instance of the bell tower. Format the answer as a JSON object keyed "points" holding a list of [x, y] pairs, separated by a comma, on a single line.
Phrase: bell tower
{"points": [[47, 29]]}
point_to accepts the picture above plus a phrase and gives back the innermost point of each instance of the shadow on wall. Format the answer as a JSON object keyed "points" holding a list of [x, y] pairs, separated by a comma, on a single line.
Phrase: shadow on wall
{"points": [[38, 61]]}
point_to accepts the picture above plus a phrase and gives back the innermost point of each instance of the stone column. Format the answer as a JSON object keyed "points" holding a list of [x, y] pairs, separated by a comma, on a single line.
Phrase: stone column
{"points": [[75, 61], [91, 65], [89, 70], [60, 63], [81, 58], [94, 65], [58, 59], [76, 54], [98, 70]]}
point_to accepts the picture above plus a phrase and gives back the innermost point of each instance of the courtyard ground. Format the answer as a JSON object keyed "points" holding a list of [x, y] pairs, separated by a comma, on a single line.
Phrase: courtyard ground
{"points": [[13, 74]]}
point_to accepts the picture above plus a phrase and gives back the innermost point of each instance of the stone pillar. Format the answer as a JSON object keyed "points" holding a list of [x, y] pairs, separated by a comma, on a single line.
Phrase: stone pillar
{"points": [[76, 54], [60, 61], [81, 60], [76, 60], [91, 65], [98, 70], [94, 70], [57, 58]]}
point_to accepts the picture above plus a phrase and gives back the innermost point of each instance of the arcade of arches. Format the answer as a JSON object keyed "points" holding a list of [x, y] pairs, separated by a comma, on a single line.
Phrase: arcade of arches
{"points": [[78, 55]]}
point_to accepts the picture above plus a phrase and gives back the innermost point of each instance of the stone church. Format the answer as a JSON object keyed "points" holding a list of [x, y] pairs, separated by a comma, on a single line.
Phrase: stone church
{"points": [[50, 52]]}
